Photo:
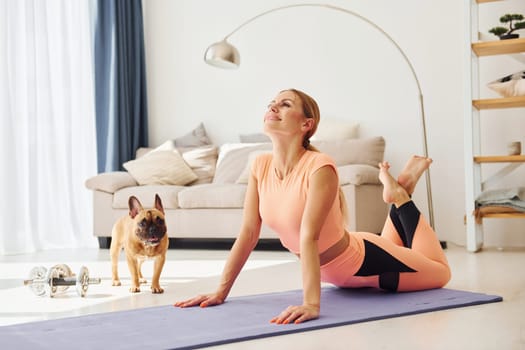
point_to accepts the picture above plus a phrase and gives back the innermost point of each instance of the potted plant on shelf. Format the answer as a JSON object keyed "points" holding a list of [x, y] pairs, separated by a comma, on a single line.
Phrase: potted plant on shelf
{"points": [[514, 21]]}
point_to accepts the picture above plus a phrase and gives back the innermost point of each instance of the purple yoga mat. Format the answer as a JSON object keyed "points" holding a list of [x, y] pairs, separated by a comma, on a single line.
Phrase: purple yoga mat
{"points": [[240, 318]]}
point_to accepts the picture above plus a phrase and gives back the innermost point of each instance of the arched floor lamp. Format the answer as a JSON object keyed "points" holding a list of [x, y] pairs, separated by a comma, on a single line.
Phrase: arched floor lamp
{"points": [[222, 54]]}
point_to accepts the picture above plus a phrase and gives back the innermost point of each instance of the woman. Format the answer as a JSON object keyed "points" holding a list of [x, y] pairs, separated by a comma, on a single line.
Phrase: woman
{"points": [[295, 191]]}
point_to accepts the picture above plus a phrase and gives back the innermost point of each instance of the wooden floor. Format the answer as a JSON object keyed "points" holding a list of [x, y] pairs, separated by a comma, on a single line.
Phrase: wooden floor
{"points": [[192, 271]]}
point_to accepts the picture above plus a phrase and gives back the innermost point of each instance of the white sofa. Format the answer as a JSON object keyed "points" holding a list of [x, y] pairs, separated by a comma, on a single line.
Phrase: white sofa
{"points": [[209, 206]]}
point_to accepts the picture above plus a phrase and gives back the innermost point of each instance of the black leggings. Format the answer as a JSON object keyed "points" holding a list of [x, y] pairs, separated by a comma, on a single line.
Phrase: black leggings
{"points": [[379, 262]]}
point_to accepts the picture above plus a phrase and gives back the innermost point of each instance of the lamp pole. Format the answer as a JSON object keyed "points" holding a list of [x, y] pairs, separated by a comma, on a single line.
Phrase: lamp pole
{"points": [[223, 54]]}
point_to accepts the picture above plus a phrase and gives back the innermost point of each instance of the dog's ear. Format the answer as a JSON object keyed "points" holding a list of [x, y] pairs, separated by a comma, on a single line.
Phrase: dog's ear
{"points": [[134, 206], [158, 204]]}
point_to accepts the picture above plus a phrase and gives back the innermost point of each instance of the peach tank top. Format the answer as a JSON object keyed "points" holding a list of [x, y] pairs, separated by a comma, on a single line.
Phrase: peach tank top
{"points": [[282, 202]]}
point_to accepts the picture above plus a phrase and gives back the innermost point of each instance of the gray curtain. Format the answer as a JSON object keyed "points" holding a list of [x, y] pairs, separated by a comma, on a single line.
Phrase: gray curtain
{"points": [[120, 82]]}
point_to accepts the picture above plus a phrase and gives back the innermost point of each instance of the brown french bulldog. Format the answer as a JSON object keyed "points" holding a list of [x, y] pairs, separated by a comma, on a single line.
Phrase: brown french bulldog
{"points": [[143, 236]]}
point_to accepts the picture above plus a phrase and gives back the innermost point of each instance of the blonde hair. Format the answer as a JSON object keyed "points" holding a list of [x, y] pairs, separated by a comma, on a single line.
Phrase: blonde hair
{"points": [[311, 110]]}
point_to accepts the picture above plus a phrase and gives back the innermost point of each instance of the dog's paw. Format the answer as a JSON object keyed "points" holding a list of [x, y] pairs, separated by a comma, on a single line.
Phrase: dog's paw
{"points": [[143, 280], [116, 283], [134, 289], [157, 290]]}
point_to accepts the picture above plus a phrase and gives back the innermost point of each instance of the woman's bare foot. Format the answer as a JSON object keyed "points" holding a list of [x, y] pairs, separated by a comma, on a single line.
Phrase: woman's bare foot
{"points": [[413, 170], [392, 192]]}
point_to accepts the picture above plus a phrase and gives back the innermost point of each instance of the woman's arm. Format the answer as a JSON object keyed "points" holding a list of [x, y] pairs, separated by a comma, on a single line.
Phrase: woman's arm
{"points": [[321, 194], [241, 249], [324, 187], [246, 240]]}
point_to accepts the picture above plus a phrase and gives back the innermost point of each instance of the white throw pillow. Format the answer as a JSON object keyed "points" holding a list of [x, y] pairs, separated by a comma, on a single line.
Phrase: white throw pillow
{"points": [[160, 168], [332, 129], [202, 160], [245, 175], [233, 158], [509, 86]]}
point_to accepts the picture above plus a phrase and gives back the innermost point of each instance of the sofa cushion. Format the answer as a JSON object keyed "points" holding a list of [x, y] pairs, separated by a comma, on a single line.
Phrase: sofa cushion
{"points": [[160, 168], [212, 196], [233, 158], [358, 174], [111, 181], [146, 195], [354, 151]]}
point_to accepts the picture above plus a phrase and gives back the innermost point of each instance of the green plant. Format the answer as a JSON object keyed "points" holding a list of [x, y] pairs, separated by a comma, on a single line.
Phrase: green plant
{"points": [[515, 22]]}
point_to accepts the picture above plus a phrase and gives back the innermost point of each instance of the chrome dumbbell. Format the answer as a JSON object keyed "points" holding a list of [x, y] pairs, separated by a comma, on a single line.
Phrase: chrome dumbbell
{"points": [[58, 279]]}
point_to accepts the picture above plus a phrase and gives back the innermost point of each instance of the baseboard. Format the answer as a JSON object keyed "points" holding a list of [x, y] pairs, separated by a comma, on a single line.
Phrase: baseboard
{"points": [[220, 243], [216, 243], [206, 243]]}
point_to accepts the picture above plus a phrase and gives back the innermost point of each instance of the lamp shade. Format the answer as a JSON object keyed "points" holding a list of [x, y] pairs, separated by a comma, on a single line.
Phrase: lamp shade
{"points": [[222, 54]]}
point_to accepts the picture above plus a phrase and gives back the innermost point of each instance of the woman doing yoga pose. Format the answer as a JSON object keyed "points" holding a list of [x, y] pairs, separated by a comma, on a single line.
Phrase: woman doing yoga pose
{"points": [[295, 191]]}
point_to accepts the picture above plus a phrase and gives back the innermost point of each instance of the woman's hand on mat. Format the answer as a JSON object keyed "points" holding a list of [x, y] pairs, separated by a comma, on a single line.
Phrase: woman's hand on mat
{"points": [[297, 314], [201, 300]]}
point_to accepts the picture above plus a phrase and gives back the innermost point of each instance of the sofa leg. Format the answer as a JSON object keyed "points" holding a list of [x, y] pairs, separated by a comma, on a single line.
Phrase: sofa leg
{"points": [[104, 242]]}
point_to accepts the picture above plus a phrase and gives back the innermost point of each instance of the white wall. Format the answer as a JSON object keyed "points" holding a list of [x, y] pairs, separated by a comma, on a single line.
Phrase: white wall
{"points": [[348, 66]]}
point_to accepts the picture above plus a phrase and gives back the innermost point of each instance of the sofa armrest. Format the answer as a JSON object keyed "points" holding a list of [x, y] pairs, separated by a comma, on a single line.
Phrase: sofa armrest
{"points": [[358, 174], [111, 181]]}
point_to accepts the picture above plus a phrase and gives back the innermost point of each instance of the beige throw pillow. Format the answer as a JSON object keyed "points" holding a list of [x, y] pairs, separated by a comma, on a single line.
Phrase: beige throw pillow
{"points": [[202, 161], [358, 174], [111, 182], [333, 129], [354, 151], [509, 86], [160, 168]]}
